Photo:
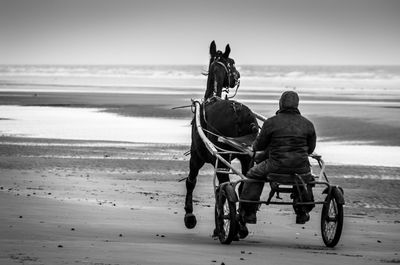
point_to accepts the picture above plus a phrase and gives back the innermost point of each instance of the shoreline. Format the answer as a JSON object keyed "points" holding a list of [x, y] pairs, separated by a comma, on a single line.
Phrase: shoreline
{"points": [[375, 124]]}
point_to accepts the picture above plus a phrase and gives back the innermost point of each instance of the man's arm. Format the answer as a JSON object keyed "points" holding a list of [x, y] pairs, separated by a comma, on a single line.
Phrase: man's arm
{"points": [[263, 139], [311, 140]]}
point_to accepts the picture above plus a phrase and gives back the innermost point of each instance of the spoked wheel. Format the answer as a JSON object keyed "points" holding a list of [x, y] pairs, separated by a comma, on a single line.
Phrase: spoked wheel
{"points": [[226, 219], [331, 220]]}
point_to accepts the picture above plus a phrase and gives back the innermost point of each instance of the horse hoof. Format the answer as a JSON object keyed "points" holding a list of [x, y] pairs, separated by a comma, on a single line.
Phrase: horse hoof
{"points": [[190, 220], [243, 231], [215, 233]]}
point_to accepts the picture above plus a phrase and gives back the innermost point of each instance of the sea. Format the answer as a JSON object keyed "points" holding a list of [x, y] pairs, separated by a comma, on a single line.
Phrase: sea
{"points": [[129, 78], [363, 85], [313, 72]]}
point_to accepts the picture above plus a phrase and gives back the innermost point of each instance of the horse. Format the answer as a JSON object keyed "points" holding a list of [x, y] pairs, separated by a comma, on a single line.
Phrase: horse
{"points": [[218, 117], [222, 72]]}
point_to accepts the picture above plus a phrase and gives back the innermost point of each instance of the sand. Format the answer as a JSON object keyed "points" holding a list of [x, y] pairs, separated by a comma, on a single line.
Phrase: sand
{"points": [[60, 206], [77, 202]]}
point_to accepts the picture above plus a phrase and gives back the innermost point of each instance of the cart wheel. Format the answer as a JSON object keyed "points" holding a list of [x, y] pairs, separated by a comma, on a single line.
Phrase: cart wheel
{"points": [[331, 220], [226, 219]]}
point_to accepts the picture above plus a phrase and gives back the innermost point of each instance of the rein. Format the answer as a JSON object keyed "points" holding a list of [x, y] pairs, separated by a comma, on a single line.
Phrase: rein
{"points": [[236, 90]]}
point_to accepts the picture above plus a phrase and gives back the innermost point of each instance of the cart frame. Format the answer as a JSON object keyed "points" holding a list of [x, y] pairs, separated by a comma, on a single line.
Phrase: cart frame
{"points": [[226, 195]]}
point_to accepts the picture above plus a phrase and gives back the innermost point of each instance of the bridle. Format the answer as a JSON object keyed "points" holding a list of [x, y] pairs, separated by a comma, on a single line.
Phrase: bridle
{"points": [[230, 73]]}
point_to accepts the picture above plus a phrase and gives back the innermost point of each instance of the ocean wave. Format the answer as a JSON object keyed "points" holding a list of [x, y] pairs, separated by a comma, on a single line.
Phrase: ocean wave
{"points": [[251, 72], [104, 71]]}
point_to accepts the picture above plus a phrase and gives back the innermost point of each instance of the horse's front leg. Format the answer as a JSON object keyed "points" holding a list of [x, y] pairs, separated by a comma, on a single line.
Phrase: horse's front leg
{"points": [[195, 164]]}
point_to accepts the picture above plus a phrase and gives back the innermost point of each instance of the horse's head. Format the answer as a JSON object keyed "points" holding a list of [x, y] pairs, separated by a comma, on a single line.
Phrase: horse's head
{"points": [[223, 63], [222, 71]]}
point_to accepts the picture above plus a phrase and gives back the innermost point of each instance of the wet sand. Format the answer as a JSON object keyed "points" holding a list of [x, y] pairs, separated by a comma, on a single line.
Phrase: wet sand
{"points": [[80, 202]]}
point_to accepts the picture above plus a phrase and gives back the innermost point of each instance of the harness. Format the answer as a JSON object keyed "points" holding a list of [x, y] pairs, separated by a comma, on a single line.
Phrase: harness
{"points": [[236, 106]]}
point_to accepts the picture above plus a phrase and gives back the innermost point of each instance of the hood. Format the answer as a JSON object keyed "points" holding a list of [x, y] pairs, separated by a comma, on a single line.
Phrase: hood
{"points": [[289, 100]]}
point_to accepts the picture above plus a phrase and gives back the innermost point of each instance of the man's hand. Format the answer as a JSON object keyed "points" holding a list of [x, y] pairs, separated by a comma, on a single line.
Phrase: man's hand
{"points": [[260, 156]]}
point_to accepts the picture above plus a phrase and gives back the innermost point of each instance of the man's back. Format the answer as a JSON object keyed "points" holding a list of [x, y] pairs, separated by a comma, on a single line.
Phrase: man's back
{"points": [[288, 137], [292, 139]]}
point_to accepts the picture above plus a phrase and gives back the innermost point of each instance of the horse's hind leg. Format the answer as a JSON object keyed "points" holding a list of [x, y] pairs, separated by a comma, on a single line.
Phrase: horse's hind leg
{"points": [[195, 164], [246, 163]]}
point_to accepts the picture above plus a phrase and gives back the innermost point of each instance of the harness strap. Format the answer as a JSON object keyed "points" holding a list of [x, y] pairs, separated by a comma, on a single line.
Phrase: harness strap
{"points": [[229, 75], [221, 63]]}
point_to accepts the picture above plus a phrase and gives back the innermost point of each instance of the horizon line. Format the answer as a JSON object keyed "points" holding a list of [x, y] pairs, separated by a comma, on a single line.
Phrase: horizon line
{"points": [[191, 64]]}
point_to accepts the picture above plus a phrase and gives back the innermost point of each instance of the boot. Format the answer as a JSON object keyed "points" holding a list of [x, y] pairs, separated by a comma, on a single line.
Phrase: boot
{"points": [[302, 218], [247, 213]]}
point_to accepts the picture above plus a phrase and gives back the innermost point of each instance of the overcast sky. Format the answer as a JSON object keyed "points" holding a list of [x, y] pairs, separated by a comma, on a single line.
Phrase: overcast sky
{"points": [[179, 32]]}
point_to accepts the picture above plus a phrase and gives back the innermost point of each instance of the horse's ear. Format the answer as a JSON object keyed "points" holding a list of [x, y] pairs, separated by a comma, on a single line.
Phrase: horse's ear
{"points": [[213, 49], [227, 51]]}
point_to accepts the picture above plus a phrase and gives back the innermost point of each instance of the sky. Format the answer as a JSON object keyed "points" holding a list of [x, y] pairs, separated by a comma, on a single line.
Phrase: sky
{"points": [[270, 32]]}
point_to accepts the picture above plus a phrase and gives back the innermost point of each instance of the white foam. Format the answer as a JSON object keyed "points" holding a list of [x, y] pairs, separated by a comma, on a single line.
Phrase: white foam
{"points": [[90, 124], [356, 154]]}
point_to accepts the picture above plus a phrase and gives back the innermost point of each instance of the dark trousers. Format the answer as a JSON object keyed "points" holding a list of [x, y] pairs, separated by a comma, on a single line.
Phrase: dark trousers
{"points": [[252, 190]]}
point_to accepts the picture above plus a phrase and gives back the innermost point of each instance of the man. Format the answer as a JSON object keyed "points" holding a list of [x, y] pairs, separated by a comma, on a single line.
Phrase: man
{"points": [[288, 138]]}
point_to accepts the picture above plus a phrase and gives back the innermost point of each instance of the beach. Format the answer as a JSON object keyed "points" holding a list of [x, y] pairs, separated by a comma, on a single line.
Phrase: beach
{"points": [[90, 164]]}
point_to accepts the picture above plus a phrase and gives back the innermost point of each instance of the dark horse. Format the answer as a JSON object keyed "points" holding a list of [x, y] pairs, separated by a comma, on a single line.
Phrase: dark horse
{"points": [[218, 117]]}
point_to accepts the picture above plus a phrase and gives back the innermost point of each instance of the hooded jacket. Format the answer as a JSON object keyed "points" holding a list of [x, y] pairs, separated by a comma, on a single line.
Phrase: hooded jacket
{"points": [[288, 137]]}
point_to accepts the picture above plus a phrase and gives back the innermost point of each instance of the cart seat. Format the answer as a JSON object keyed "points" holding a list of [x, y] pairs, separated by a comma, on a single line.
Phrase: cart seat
{"points": [[290, 179]]}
